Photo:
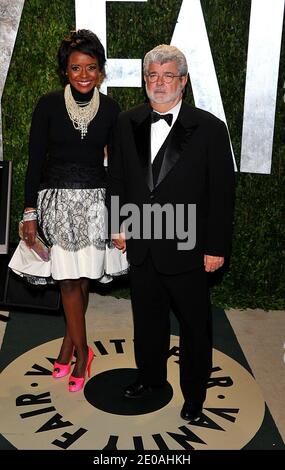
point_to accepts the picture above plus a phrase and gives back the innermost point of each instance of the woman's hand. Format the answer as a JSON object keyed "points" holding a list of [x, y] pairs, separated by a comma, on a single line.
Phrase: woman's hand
{"points": [[29, 232], [119, 241]]}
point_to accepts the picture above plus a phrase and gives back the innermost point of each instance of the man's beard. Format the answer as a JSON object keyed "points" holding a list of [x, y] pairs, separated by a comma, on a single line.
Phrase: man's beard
{"points": [[164, 97]]}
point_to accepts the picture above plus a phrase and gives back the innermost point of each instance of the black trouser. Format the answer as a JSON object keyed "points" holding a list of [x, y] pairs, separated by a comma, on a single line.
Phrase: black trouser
{"points": [[152, 295]]}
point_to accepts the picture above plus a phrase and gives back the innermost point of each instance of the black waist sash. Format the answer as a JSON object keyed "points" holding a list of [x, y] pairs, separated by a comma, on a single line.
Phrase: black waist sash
{"points": [[59, 174]]}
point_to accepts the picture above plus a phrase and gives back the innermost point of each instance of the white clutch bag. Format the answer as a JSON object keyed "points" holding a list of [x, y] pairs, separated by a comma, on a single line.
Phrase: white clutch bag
{"points": [[33, 261], [40, 247]]}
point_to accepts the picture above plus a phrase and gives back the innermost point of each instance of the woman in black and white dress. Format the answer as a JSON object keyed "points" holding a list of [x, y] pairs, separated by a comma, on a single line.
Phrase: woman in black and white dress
{"points": [[65, 190]]}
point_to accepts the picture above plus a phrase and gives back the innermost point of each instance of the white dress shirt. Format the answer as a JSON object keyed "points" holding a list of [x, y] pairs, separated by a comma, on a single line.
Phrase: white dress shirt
{"points": [[160, 130]]}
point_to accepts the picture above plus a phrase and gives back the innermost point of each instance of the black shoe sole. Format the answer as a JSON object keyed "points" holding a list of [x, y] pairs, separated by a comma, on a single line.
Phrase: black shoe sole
{"points": [[139, 395], [195, 417]]}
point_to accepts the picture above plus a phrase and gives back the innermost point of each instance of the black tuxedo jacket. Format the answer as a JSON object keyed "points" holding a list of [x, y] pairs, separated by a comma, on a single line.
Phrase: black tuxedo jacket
{"points": [[197, 168]]}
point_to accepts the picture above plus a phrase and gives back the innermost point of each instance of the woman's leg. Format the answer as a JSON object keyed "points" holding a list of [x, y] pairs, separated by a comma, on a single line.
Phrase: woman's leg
{"points": [[67, 344], [74, 298], [85, 292]]}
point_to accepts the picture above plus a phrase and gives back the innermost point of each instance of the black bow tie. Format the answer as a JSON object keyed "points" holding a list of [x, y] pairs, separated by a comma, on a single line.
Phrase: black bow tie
{"points": [[156, 117]]}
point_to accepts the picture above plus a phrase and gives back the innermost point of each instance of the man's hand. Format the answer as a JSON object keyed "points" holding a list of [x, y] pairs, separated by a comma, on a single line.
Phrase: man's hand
{"points": [[212, 263], [119, 241]]}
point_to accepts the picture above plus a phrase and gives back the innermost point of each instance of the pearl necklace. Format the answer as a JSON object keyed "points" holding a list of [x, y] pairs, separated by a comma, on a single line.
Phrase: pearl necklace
{"points": [[81, 116]]}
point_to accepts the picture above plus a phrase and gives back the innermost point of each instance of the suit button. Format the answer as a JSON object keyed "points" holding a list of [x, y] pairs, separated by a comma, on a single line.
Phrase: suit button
{"points": [[151, 197]]}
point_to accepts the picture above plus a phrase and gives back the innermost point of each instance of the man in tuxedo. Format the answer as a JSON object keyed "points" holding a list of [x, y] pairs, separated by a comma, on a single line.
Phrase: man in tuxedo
{"points": [[167, 152]]}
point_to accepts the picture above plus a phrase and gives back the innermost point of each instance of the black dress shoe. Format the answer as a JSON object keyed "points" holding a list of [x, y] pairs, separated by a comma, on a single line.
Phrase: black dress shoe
{"points": [[137, 390], [191, 411]]}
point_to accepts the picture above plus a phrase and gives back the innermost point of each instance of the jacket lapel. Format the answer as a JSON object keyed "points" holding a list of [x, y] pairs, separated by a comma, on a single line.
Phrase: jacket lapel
{"points": [[141, 130], [181, 133]]}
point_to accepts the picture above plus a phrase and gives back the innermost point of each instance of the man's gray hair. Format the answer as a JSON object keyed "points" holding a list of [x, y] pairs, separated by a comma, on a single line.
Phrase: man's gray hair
{"points": [[163, 54]]}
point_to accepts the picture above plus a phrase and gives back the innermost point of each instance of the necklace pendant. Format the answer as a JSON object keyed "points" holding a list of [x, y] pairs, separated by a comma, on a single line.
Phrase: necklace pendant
{"points": [[81, 114]]}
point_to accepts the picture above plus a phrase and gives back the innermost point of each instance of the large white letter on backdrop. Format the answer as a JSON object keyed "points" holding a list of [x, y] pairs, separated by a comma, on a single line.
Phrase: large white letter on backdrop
{"points": [[91, 14], [10, 15], [265, 33], [190, 35]]}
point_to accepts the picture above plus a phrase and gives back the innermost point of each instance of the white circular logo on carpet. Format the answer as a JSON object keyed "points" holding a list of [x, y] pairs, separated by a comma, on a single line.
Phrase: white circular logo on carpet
{"points": [[38, 412]]}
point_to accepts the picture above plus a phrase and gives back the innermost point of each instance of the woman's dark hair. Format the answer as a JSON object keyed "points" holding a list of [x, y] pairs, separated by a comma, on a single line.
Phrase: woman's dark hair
{"points": [[83, 41]]}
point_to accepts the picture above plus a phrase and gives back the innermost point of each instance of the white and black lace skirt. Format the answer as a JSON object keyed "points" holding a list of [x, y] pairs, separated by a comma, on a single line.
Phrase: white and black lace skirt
{"points": [[72, 222]]}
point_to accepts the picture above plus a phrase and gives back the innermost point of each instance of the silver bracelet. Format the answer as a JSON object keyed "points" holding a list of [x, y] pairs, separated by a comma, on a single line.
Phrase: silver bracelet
{"points": [[29, 211], [27, 216]]}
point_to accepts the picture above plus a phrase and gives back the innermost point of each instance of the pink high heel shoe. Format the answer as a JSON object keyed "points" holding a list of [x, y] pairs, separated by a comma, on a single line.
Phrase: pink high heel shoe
{"points": [[61, 370], [76, 383]]}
